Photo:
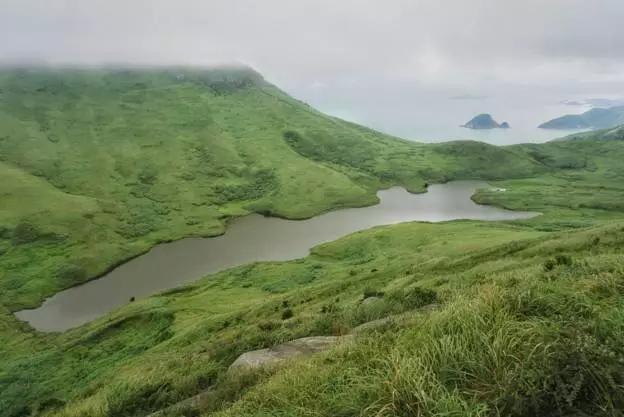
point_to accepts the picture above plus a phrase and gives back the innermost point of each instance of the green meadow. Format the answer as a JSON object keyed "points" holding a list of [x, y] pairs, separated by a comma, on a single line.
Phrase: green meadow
{"points": [[515, 318]]}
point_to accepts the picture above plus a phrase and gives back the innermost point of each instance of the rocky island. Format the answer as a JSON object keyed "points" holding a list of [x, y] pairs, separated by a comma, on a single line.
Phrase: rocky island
{"points": [[485, 121]]}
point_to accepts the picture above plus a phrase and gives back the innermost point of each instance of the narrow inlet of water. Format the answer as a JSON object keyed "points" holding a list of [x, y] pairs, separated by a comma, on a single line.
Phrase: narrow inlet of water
{"points": [[249, 239]]}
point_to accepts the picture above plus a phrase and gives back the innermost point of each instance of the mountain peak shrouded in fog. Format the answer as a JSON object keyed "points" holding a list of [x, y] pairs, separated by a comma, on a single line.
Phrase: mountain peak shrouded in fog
{"points": [[429, 41], [385, 65]]}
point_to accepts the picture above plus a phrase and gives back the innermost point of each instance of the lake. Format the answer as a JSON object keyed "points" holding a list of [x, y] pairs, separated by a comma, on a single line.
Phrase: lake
{"points": [[249, 239]]}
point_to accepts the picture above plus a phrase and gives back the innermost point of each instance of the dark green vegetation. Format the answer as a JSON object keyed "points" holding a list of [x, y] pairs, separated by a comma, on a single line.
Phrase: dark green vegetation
{"points": [[591, 119], [485, 121], [98, 166]]}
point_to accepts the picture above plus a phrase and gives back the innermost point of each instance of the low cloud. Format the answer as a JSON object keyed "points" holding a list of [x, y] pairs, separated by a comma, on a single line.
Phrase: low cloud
{"points": [[461, 45]]}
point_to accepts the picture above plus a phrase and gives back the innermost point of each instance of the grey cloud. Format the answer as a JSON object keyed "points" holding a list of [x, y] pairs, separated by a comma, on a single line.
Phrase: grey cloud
{"points": [[394, 45]]}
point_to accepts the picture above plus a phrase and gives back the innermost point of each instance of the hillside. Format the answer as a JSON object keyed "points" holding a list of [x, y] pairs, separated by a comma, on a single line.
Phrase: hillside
{"points": [[121, 160], [592, 119], [523, 317]]}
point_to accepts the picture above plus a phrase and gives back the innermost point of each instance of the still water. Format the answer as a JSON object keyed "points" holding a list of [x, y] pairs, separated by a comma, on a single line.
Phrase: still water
{"points": [[434, 115], [253, 238]]}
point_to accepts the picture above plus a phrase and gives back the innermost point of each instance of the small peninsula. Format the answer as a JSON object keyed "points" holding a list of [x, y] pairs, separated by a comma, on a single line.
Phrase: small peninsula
{"points": [[592, 119]]}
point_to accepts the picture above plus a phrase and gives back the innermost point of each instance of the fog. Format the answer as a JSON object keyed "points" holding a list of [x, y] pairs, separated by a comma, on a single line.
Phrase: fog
{"points": [[368, 61]]}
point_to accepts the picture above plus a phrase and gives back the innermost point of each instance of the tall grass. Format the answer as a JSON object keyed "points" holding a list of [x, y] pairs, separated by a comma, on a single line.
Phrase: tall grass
{"points": [[532, 346]]}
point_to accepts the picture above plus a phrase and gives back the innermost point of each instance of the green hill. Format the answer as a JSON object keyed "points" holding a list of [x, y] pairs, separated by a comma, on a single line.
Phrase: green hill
{"points": [[101, 165], [124, 159]]}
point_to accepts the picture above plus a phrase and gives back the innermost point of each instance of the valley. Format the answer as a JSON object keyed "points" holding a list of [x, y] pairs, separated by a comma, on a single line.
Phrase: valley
{"points": [[253, 239], [103, 165]]}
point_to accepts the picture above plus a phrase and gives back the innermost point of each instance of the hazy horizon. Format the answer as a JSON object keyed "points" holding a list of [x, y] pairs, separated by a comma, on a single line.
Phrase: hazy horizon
{"points": [[387, 66]]}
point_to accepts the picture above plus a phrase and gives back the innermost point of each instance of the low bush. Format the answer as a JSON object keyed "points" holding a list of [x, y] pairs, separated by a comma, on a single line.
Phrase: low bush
{"points": [[558, 260], [5, 232], [71, 273], [561, 259], [549, 265], [24, 233], [268, 325], [372, 293], [286, 314]]}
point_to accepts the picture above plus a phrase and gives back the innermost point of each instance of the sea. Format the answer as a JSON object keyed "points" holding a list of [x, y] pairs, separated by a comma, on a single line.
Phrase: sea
{"points": [[438, 116]]}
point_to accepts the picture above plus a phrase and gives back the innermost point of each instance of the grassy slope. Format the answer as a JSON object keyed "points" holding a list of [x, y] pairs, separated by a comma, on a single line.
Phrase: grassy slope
{"points": [[157, 157], [163, 154], [512, 332], [105, 164], [518, 335], [176, 343]]}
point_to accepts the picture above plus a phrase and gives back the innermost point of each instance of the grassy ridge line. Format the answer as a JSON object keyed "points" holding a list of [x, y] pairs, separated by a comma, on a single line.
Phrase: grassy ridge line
{"points": [[528, 335], [164, 348], [188, 336]]}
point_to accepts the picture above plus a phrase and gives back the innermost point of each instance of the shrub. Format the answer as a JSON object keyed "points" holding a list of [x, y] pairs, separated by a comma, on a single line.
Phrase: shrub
{"points": [[292, 137], [549, 265], [415, 297], [5, 232], [563, 260], [51, 404], [268, 325], [559, 260], [148, 175], [331, 323], [286, 314], [372, 293], [418, 297], [23, 411], [364, 313], [71, 273], [25, 233], [134, 230]]}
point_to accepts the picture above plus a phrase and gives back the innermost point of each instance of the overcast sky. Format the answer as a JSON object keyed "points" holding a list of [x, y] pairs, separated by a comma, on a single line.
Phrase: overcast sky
{"points": [[307, 46]]}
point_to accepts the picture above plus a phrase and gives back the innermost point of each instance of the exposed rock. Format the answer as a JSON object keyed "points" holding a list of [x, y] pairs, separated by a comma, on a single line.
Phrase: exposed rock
{"points": [[271, 356], [375, 324], [371, 300], [296, 348]]}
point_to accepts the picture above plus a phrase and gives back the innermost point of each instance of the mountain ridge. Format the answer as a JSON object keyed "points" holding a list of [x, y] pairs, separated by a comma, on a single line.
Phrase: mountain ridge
{"points": [[104, 165]]}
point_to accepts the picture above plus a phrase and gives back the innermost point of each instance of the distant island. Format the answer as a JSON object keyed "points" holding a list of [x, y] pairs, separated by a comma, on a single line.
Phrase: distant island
{"points": [[468, 97], [485, 121], [591, 119], [594, 102]]}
